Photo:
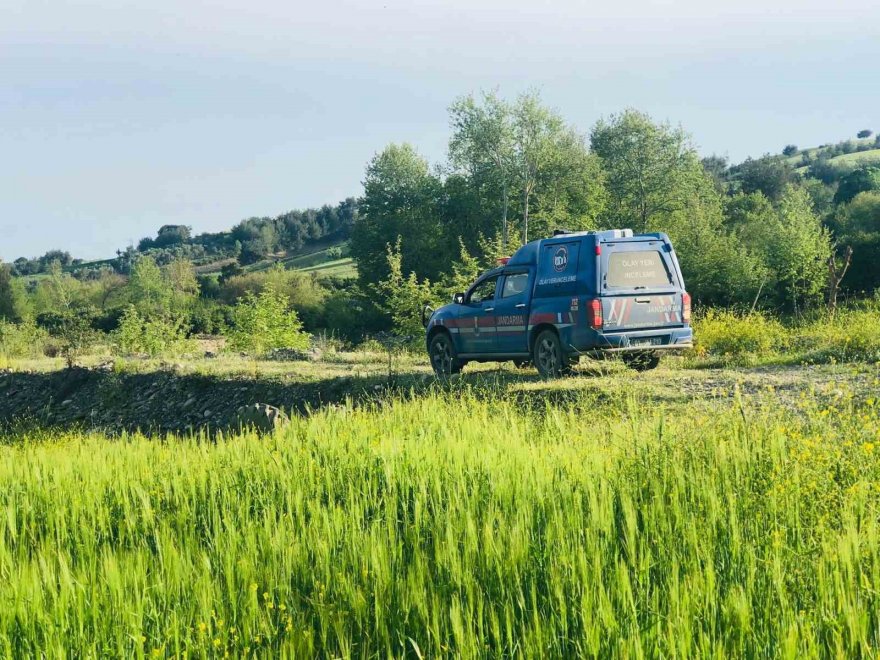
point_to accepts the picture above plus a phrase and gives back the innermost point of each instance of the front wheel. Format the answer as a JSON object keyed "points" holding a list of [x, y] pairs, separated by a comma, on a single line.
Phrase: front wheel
{"points": [[442, 354], [641, 361], [549, 358]]}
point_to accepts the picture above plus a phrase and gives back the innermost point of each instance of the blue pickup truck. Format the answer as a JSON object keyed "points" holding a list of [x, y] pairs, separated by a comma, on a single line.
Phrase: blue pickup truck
{"points": [[584, 293]]}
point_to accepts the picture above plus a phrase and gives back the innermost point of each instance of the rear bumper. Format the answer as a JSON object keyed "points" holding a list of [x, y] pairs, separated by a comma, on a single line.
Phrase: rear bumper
{"points": [[589, 342]]}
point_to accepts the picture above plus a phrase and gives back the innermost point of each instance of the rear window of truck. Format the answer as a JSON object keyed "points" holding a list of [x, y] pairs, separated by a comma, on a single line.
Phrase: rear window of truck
{"points": [[629, 270]]}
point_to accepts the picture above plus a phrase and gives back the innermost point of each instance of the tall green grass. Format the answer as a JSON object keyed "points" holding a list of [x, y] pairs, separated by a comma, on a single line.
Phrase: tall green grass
{"points": [[452, 526]]}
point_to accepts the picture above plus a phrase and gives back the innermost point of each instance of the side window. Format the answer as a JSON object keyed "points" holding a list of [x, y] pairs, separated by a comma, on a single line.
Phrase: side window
{"points": [[485, 291], [514, 285]]}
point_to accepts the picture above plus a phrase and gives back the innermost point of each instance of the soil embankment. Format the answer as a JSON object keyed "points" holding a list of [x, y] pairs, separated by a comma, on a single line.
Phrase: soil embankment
{"points": [[159, 401]]}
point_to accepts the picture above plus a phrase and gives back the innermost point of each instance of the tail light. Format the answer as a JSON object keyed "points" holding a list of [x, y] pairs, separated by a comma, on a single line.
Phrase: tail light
{"points": [[596, 320], [686, 308]]}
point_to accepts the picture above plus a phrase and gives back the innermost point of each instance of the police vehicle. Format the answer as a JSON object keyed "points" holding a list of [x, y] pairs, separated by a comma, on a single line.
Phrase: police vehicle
{"points": [[556, 299]]}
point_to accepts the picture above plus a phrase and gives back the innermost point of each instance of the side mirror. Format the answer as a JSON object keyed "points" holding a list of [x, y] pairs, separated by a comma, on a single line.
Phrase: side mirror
{"points": [[458, 298], [427, 312]]}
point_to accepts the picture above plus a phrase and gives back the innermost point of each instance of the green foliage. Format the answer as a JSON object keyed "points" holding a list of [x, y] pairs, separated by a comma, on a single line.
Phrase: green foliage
{"points": [[857, 225], [152, 336], [652, 171], [72, 328], [454, 526], [769, 176], [400, 199], [797, 250], [403, 297], [305, 292], [739, 337], [849, 335], [148, 289], [790, 150], [864, 179], [264, 322], [21, 340], [13, 298]]}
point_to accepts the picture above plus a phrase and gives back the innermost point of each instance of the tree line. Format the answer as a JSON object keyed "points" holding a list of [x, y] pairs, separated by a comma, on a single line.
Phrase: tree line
{"points": [[762, 234], [758, 234]]}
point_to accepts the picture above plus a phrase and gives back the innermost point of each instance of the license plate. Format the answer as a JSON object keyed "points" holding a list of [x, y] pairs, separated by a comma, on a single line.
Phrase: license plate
{"points": [[646, 341]]}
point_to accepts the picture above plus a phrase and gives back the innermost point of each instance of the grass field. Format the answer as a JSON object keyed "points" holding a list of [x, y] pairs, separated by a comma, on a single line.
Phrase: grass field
{"points": [[722, 512], [858, 158]]}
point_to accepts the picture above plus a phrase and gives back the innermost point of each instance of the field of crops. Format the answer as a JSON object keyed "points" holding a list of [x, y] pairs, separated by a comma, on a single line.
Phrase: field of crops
{"points": [[457, 523]]}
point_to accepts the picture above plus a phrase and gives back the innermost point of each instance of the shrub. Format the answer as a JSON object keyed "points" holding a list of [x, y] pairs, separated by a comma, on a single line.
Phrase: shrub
{"points": [[849, 335], [151, 336], [73, 330], [264, 322], [21, 339], [305, 293], [403, 297], [726, 334]]}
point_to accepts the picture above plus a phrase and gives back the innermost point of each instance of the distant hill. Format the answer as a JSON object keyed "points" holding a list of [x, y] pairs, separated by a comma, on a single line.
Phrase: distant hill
{"points": [[844, 156], [312, 240]]}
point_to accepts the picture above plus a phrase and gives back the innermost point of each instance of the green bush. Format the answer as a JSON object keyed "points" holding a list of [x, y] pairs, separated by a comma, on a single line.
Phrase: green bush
{"points": [[19, 340], [726, 334], [848, 336], [264, 322], [151, 336]]}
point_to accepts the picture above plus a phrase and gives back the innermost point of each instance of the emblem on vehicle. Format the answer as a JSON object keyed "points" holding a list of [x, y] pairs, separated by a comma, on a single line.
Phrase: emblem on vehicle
{"points": [[560, 259]]}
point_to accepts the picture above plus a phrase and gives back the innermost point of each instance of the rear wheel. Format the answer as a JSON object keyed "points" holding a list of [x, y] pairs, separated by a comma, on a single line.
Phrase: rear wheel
{"points": [[549, 358], [641, 361], [442, 354]]}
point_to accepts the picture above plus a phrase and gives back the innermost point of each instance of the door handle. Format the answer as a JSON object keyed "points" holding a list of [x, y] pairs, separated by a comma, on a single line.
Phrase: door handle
{"points": [[521, 306], [489, 309], [643, 300]]}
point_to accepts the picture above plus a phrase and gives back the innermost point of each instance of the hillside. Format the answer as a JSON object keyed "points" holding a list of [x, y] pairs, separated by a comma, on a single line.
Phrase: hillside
{"points": [[843, 156], [314, 240]]}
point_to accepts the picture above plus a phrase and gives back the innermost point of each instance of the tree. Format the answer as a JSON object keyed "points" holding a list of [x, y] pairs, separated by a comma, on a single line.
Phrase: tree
{"points": [[767, 175], [181, 278], [72, 327], [148, 289], [857, 225], [172, 235], [797, 249], [790, 150], [716, 167], [483, 144], [228, 271], [547, 150], [864, 179], [865, 133], [265, 322], [13, 299], [652, 171], [401, 199], [137, 334], [403, 297]]}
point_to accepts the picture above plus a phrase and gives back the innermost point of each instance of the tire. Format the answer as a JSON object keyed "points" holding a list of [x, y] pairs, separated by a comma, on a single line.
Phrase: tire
{"points": [[441, 352], [641, 361], [549, 357]]}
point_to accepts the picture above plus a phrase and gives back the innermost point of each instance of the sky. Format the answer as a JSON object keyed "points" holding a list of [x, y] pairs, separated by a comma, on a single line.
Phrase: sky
{"points": [[119, 116]]}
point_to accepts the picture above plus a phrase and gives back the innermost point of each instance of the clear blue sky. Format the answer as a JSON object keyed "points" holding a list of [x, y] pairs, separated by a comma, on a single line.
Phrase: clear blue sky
{"points": [[119, 116]]}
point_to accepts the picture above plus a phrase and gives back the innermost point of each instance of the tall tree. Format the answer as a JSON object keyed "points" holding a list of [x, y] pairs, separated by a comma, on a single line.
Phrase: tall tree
{"points": [[483, 145], [13, 301], [401, 199], [652, 170], [536, 128]]}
